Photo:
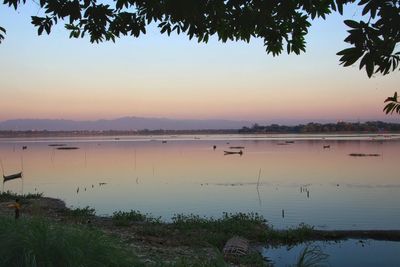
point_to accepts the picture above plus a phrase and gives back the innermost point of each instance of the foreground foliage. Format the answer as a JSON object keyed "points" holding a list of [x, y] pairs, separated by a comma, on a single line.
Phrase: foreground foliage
{"points": [[393, 104], [38, 242]]}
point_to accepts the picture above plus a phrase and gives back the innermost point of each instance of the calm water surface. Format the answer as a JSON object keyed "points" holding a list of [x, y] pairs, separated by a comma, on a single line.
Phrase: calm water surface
{"points": [[326, 188], [349, 253]]}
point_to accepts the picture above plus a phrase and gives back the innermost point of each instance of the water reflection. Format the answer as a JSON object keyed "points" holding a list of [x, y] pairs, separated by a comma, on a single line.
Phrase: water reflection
{"points": [[352, 252], [322, 187]]}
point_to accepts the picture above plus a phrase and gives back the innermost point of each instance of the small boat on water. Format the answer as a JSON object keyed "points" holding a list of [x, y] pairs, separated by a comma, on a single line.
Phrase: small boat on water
{"points": [[233, 152], [57, 144], [67, 148], [12, 176], [236, 147], [327, 146]]}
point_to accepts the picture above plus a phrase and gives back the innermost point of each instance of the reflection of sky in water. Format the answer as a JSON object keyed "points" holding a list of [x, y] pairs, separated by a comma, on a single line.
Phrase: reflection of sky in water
{"points": [[322, 187], [351, 253]]}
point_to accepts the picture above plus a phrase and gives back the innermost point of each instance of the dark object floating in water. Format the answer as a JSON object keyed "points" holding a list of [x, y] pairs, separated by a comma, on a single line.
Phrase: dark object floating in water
{"points": [[281, 144], [67, 148], [24, 147], [233, 152], [363, 155], [236, 147], [327, 146], [214, 147], [289, 142], [164, 142], [101, 184], [11, 177], [57, 144]]}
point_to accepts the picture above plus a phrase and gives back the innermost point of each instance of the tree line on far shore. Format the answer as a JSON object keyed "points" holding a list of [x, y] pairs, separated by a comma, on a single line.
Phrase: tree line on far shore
{"points": [[365, 127]]}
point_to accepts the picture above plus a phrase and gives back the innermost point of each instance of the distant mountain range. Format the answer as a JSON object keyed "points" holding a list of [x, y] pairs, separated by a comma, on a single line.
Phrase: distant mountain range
{"points": [[120, 124]]}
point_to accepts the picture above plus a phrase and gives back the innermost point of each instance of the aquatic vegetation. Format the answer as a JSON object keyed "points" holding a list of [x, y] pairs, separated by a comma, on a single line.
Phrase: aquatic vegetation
{"points": [[294, 235], [312, 256]]}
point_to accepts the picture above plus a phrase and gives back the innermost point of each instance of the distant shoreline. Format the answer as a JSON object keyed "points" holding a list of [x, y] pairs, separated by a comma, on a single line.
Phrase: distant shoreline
{"points": [[172, 133], [370, 127]]}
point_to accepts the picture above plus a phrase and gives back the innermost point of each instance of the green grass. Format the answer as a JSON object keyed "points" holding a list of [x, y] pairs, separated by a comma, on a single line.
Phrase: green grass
{"points": [[11, 196], [217, 231], [253, 259], [123, 218], [290, 236], [218, 262], [80, 214], [38, 242]]}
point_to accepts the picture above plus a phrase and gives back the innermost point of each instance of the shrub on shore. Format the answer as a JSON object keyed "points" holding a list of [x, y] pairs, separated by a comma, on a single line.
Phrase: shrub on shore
{"points": [[80, 215], [217, 231], [126, 218]]}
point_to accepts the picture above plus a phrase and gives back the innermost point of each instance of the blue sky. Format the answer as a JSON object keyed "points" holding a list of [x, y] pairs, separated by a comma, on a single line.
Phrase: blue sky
{"points": [[160, 76]]}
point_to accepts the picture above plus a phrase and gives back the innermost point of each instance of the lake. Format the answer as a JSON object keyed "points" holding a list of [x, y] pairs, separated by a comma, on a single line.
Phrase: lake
{"points": [[351, 253], [289, 179]]}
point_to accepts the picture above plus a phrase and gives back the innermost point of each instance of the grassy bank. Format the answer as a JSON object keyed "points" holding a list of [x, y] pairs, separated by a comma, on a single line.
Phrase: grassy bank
{"points": [[40, 242], [49, 234]]}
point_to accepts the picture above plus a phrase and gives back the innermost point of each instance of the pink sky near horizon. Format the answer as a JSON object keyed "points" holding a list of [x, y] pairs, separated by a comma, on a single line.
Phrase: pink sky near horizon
{"points": [[159, 76]]}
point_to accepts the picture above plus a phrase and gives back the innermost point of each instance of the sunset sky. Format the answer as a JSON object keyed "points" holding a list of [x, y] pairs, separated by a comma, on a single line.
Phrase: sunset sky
{"points": [[160, 76]]}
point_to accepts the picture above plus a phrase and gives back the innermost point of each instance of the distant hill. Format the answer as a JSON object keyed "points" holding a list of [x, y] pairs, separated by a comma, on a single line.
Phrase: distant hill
{"points": [[120, 124]]}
